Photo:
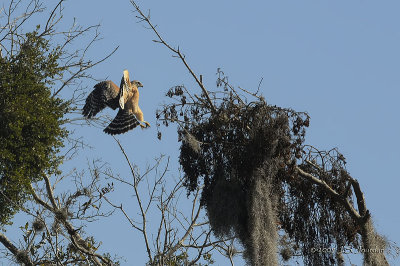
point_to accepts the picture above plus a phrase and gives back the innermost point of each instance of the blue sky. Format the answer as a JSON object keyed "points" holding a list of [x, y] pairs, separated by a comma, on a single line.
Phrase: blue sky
{"points": [[337, 60]]}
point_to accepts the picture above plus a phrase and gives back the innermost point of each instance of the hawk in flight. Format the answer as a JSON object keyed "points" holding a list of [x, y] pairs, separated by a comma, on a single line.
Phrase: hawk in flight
{"points": [[125, 98]]}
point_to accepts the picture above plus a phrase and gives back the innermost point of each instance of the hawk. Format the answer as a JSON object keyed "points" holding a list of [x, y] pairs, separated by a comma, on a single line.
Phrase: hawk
{"points": [[125, 98]]}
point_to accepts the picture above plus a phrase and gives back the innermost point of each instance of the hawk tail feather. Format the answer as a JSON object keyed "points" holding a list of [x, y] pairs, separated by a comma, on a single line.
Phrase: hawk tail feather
{"points": [[123, 122]]}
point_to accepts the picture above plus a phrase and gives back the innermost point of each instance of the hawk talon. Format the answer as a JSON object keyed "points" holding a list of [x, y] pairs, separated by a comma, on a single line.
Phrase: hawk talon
{"points": [[146, 125]]}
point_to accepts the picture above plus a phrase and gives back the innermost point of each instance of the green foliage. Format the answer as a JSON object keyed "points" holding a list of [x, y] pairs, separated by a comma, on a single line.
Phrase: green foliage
{"points": [[31, 120]]}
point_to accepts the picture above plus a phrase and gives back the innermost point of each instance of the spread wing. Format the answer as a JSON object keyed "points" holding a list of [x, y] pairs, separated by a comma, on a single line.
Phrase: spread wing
{"points": [[124, 121], [105, 93]]}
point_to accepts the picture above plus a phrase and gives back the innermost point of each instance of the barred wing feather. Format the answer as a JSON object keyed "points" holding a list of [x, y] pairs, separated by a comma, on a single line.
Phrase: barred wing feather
{"points": [[104, 94]]}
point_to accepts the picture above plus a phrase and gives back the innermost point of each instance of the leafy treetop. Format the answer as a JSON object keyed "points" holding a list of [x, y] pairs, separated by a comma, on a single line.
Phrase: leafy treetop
{"points": [[31, 131]]}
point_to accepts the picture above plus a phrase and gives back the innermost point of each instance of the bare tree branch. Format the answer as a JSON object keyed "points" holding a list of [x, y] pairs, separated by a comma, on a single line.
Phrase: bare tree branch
{"points": [[19, 254], [176, 51]]}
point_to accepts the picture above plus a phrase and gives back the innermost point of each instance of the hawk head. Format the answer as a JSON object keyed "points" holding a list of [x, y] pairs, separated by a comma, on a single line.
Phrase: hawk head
{"points": [[136, 83]]}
